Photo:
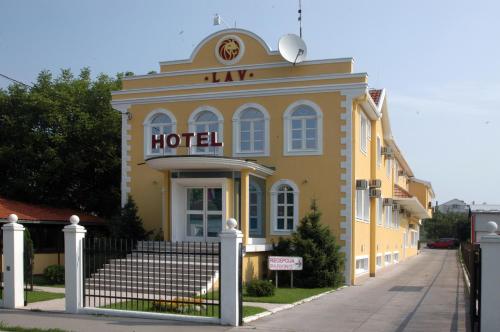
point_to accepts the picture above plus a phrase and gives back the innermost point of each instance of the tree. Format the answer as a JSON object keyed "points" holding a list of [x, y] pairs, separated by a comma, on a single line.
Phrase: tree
{"points": [[60, 142], [454, 225], [323, 263], [128, 225]]}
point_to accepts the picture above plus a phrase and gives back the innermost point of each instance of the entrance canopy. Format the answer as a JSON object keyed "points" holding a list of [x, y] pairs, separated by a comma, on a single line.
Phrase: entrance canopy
{"points": [[170, 163]]}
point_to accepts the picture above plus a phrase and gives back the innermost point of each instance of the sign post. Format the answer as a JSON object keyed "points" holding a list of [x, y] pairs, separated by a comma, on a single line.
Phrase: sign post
{"points": [[285, 263]]}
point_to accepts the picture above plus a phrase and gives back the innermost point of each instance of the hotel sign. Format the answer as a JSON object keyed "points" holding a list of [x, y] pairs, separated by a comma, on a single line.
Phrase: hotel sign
{"points": [[203, 139], [285, 263]]}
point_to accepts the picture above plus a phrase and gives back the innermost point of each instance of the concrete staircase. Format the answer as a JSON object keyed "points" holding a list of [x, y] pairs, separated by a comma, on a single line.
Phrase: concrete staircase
{"points": [[158, 270]]}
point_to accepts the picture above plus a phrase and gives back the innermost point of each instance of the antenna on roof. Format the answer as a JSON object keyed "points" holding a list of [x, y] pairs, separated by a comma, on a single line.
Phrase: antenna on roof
{"points": [[300, 18]]}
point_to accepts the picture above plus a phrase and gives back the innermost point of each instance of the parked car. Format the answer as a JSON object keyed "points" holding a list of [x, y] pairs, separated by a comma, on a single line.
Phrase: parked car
{"points": [[443, 243]]}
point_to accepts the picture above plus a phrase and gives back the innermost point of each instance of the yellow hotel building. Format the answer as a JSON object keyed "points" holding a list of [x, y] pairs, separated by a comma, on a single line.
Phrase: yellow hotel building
{"points": [[289, 134]]}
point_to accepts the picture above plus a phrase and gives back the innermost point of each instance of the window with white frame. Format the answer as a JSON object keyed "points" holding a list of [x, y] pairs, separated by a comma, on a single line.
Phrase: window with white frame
{"points": [[363, 205], [284, 204], [363, 131], [251, 131], [388, 167], [395, 217], [413, 238], [380, 210], [158, 122], [379, 152], [387, 258], [303, 129], [388, 216], [206, 119], [379, 260], [396, 257], [396, 170], [362, 265], [369, 129]]}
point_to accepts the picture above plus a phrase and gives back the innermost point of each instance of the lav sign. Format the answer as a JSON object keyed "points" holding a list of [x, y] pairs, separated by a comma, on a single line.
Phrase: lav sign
{"points": [[285, 263]]}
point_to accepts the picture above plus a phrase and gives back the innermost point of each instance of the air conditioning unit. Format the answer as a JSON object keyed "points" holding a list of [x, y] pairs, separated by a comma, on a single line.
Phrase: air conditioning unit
{"points": [[388, 201], [402, 210], [387, 151], [375, 183], [375, 192], [402, 172], [361, 184]]}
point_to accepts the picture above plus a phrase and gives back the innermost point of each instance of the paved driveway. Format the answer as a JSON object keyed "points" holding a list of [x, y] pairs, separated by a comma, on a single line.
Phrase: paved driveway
{"points": [[424, 293]]}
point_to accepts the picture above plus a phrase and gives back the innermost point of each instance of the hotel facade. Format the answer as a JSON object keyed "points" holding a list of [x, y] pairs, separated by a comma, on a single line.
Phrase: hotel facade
{"points": [[236, 131]]}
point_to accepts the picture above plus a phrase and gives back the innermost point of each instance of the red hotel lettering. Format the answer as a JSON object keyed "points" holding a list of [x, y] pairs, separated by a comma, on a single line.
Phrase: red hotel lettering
{"points": [[229, 76], [155, 140], [173, 140], [202, 139], [187, 138], [177, 140], [213, 139]]}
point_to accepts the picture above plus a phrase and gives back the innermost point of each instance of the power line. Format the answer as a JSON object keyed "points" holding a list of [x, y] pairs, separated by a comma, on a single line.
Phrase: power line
{"points": [[15, 81]]}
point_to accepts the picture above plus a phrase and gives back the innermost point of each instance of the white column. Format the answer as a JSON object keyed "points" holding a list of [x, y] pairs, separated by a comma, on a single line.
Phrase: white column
{"points": [[73, 269], [490, 276], [13, 253], [231, 238]]}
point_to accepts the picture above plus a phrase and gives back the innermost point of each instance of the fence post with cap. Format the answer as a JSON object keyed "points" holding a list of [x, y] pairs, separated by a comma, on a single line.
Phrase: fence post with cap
{"points": [[13, 252], [490, 275], [231, 238], [73, 269]]}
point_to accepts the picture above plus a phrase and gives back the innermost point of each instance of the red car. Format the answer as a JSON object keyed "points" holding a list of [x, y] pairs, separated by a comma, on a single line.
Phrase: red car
{"points": [[444, 243]]}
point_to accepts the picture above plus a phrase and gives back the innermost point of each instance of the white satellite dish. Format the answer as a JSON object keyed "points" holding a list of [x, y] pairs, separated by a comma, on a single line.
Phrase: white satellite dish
{"points": [[292, 48]]}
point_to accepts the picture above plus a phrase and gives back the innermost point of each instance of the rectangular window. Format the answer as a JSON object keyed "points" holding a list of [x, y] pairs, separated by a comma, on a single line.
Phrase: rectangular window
{"points": [[380, 208], [379, 152], [395, 218], [363, 132], [363, 205], [379, 261], [388, 167], [387, 258], [388, 215], [396, 257], [396, 170], [361, 265], [369, 129]]}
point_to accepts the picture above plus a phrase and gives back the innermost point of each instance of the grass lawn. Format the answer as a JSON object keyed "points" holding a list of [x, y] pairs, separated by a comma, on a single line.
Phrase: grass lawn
{"points": [[209, 311], [39, 280], [287, 295], [37, 296], [250, 311], [4, 327]]}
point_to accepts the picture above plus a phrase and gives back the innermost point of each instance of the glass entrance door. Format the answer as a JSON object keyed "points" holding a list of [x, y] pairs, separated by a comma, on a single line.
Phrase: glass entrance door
{"points": [[203, 213]]}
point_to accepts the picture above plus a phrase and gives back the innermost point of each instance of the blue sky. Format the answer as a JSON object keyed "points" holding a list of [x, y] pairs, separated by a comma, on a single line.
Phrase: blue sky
{"points": [[438, 60]]}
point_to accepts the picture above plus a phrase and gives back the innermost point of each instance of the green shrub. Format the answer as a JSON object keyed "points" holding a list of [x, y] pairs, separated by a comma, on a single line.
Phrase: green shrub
{"points": [[260, 288], [54, 274], [322, 259]]}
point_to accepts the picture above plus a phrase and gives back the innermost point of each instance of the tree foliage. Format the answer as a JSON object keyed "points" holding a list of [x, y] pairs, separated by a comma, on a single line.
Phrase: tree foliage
{"points": [[128, 225], [60, 142], [454, 225], [322, 259]]}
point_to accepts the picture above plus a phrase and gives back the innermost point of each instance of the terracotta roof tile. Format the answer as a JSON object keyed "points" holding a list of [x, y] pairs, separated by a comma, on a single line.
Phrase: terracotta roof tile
{"points": [[37, 212], [375, 94], [400, 192]]}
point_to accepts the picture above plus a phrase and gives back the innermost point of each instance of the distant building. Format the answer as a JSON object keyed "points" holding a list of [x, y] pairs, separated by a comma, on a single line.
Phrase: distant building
{"points": [[453, 206], [480, 214]]}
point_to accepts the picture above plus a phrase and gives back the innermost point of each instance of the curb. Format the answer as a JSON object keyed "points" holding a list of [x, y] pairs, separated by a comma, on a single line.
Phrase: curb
{"points": [[464, 271], [289, 306]]}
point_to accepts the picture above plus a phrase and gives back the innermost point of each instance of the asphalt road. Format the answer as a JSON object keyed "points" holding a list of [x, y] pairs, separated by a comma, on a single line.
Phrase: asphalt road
{"points": [[424, 293]]}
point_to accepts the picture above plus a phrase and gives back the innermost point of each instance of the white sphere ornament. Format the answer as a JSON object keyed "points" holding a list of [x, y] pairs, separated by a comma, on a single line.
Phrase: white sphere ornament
{"points": [[74, 219], [491, 227], [12, 218], [232, 223]]}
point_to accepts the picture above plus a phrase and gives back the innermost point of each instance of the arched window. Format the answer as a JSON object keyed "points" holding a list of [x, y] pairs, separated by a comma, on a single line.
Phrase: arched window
{"points": [[251, 131], [206, 119], [158, 122], [285, 207], [303, 129]]}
